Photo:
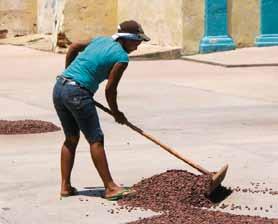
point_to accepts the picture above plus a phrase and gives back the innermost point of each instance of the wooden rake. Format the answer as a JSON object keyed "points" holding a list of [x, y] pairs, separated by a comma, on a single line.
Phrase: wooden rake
{"points": [[216, 177]]}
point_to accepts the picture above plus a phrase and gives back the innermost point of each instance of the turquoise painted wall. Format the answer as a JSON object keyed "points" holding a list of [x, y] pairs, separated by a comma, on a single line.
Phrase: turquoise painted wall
{"points": [[269, 17], [269, 23], [216, 36], [216, 17]]}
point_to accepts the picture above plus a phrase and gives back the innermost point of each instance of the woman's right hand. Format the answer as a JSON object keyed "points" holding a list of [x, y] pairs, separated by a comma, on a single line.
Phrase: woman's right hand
{"points": [[120, 117]]}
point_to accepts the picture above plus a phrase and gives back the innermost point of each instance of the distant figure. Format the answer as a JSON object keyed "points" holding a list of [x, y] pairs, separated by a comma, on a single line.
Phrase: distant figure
{"points": [[3, 33], [101, 58]]}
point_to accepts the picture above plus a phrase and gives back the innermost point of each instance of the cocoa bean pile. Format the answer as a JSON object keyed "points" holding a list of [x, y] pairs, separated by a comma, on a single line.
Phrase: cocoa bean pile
{"points": [[26, 127], [180, 196]]}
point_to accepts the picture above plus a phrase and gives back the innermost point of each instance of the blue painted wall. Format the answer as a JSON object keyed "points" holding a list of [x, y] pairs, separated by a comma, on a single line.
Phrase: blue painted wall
{"points": [[216, 17], [269, 23], [269, 16], [216, 36]]}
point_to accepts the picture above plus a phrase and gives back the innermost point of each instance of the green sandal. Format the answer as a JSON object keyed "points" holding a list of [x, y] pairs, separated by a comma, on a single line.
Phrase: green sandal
{"points": [[126, 191]]}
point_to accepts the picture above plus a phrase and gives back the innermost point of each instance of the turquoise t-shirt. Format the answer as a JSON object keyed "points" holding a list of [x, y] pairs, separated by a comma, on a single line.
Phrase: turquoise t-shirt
{"points": [[92, 66]]}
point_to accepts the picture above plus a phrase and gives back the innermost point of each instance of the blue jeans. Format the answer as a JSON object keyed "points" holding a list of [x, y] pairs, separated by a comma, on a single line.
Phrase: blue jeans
{"points": [[76, 111]]}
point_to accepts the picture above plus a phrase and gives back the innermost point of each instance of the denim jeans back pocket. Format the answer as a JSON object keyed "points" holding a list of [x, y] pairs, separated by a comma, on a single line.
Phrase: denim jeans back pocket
{"points": [[76, 98], [75, 101]]}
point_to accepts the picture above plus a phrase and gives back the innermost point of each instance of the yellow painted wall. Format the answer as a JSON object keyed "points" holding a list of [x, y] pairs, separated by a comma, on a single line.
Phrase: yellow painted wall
{"points": [[175, 23], [85, 19], [18, 16], [243, 20], [193, 25], [160, 19]]}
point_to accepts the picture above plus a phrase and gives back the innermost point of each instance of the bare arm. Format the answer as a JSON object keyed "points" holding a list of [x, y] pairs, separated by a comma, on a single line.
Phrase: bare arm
{"points": [[111, 90], [73, 51]]}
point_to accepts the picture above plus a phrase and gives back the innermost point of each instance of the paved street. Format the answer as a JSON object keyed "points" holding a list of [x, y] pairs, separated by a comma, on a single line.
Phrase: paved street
{"points": [[211, 114]]}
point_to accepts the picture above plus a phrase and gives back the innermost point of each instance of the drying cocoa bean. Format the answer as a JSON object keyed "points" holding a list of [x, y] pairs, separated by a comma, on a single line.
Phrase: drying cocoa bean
{"points": [[26, 127], [180, 196]]}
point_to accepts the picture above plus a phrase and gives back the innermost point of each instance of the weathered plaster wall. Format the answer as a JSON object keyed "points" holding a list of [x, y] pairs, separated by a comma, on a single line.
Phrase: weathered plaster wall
{"points": [[162, 20], [46, 15], [50, 18], [193, 27], [175, 23], [85, 19], [18, 16], [243, 20]]}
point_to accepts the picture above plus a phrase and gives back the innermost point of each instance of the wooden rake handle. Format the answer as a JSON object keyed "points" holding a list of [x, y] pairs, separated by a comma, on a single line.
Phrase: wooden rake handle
{"points": [[167, 148]]}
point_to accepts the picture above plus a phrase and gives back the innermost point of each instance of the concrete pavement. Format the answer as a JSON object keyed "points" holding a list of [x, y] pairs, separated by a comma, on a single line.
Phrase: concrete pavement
{"points": [[213, 115], [244, 57]]}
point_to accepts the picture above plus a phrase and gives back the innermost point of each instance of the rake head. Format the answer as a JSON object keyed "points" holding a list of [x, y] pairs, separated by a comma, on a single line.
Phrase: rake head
{"points": [[217, 179]]}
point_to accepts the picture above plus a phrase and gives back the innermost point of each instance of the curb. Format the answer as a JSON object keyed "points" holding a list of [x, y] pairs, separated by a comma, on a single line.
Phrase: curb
{"points": [[229, 65], [159, 55]]}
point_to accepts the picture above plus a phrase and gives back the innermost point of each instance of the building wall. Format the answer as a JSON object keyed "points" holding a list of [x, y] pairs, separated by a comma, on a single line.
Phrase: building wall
{"points": [[162, 20], [243, 21], [46, 15], [193, 25], [175, 23], [84, 19], [18, 16]]}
